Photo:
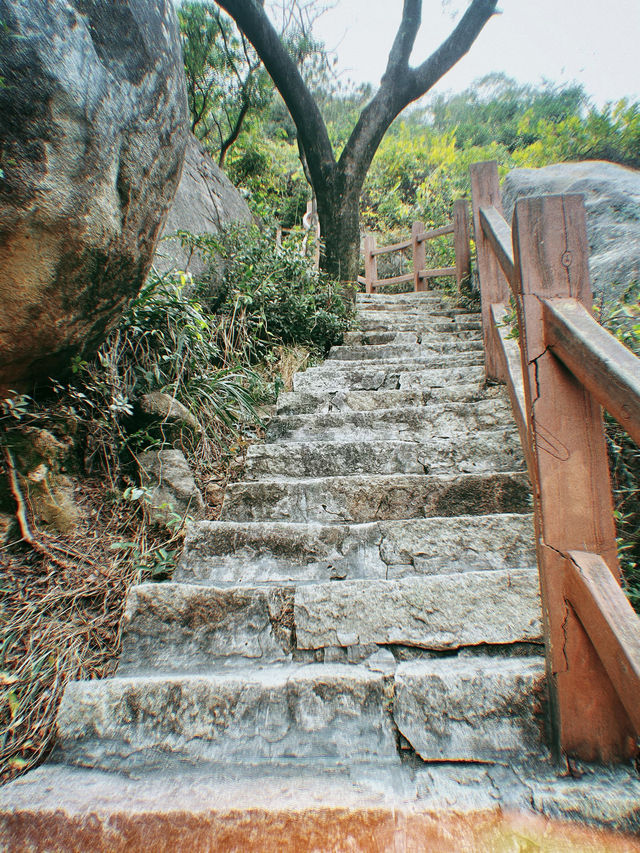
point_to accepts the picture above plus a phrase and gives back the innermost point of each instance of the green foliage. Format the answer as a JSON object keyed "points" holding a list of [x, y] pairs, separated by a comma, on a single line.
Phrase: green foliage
{"points": [[271, 295]]}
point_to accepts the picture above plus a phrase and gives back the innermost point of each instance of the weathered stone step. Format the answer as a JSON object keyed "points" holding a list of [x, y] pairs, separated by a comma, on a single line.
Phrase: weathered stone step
{"points": [[437, 612], [380, 324], [365, 376], [227, 552], [478, 451], [323, 713], [473, 708], [305, 402], [363, 498], [178, 627], [383, 352], [411, 338], [447, 420]]}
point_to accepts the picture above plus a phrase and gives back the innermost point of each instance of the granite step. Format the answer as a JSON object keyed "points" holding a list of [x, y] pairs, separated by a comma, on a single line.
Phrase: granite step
{"points": [[327, 714], [428, 346], [477, 451], [306, 402], [365, 376], [363, 498], [227, 552], [454, 421], [183, 627], [410, 338]]}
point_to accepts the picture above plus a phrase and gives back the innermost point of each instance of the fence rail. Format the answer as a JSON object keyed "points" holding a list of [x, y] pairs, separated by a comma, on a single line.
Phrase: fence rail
{"points": [[459, 227], [563, 367]]}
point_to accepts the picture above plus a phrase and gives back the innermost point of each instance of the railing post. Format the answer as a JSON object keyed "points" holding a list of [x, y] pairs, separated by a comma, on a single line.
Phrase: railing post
{"points": [[570, 477], [419, 256], [461, 241], [494, 288], [370, 262]]}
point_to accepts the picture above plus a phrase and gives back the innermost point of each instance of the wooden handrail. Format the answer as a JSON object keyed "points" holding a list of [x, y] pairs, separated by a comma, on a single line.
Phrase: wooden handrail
{"points": [[611, 623], [394, 247], [435, 232], [498, 234], [604, 366], [459, 227], [511, 370], [568, 364]]}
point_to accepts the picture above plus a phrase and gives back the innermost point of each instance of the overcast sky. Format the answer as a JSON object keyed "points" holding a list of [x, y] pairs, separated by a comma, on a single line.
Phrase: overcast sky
{"points": [[593, 42]]}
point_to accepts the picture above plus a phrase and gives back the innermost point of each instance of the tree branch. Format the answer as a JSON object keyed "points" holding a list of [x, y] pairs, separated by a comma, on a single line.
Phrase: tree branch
{"points": [[312, 132], [405, 38], [453, 48]]}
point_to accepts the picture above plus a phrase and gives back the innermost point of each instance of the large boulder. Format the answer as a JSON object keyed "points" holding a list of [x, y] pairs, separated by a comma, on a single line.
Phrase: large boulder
{"points": [[612, 201], [93, 128], [206, 203]]}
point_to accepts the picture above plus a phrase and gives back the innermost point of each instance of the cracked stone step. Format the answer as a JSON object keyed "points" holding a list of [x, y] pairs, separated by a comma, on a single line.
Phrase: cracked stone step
{"points": [[305, 402], [476, 452], [227, 552], [354, 376], [384, 324], [174, 626], [324, 713], [383, 352], [410, 338], [362, 498], [182, 627], [437, 613], [473, 708], [439, 420]]}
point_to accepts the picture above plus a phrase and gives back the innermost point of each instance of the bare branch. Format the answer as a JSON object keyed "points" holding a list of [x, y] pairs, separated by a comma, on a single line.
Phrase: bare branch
{"points": [[405, 38], [455, 47]]}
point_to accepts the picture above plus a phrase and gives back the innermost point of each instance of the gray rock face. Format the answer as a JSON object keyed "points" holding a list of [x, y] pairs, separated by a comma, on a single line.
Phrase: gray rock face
{"points": [[206, 202], [612, 201], [92, 138], [173, 489]]}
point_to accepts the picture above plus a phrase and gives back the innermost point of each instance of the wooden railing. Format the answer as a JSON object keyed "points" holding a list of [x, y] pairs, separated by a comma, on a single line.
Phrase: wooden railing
{"points": [[559, 373], [459, 227]]}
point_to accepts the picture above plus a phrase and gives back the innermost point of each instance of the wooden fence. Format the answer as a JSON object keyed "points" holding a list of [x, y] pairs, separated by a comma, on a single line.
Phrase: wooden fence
{"points": [[561, 370], [459, 227]]}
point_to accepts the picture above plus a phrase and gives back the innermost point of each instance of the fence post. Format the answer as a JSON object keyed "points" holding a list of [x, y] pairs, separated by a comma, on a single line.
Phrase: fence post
{"points": [[370, 262], [461, 240], [419, 256], [570, 477], [494, 287]]}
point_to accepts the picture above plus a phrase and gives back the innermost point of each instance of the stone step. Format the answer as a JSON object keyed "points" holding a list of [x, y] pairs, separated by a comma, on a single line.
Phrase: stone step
{"points": [[437, 613], [363, 498], [227, 552], [473, 708], [305, 402], [426, 349], [410, 338], [178, 627], [320, 713], [478, 451], [454, 421], [364, 376], [380, 324]]}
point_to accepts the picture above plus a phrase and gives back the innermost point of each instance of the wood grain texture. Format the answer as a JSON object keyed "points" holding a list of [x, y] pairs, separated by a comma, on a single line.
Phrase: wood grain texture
{"points": [[509, 354], [370, 262], [605, 367], [497, 232], [611, 623], [569, 472], [461, 241], [435, 232], [494, 288], [435, 273], [419, 254]]}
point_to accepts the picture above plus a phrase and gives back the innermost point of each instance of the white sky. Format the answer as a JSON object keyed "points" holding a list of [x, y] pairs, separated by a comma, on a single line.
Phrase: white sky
{"points": [[593, 42]]}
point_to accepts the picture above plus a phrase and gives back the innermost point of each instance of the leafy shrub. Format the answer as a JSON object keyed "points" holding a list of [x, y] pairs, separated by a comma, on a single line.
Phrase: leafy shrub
{"points": [[270, 295]]}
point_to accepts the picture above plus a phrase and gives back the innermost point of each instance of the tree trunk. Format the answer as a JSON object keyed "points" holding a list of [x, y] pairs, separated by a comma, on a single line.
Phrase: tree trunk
{"points": [[339, 215]]}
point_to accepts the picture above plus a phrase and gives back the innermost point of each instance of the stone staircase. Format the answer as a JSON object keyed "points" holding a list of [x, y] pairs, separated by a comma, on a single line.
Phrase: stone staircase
{"points": [[362, 624]]}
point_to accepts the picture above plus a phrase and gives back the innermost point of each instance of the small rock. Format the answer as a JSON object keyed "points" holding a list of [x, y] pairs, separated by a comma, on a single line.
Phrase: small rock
{"points": [[173, 489], [166, 407]]}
